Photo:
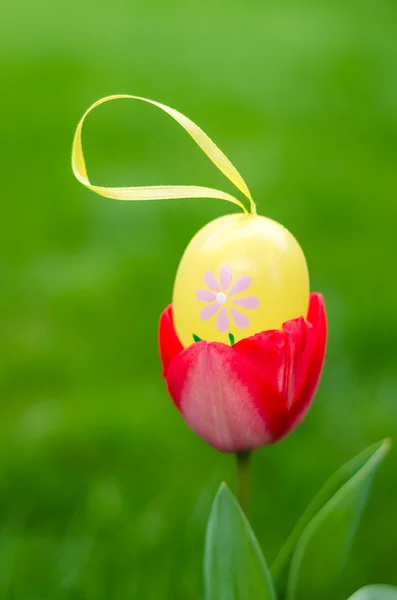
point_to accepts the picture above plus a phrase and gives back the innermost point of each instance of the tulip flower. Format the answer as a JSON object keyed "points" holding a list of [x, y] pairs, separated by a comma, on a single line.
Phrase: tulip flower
{"points": [[253, 393]]}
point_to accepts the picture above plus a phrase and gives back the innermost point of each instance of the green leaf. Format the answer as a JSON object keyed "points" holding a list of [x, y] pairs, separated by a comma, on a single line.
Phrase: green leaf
{"points": [[339, 478], [330, 532], [234, 567], [375, 592]]}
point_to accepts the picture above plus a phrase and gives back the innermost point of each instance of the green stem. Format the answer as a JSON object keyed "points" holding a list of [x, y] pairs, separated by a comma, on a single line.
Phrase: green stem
{"points": [[243, 480]]}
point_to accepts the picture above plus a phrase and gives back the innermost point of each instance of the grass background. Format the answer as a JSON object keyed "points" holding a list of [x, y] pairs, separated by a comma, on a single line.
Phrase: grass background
{"points": [[104, 493]]}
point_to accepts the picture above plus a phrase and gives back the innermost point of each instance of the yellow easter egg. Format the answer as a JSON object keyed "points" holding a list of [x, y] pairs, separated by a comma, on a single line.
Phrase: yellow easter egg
{"points": [[240, 274]]}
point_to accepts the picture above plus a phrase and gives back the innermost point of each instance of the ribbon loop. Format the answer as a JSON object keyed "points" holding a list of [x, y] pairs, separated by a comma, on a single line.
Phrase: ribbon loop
{"points": [[160, 192]]}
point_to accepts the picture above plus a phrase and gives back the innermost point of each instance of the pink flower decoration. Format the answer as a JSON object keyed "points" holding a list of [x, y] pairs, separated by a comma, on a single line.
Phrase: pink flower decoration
{"points": [[218, 294]]}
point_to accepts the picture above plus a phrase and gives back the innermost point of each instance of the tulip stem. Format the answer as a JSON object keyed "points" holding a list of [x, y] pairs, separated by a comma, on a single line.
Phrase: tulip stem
{"points": [[243, 480]]}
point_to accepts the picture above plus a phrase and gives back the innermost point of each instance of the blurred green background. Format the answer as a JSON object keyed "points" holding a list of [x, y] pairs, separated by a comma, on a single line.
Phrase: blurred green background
{"points": [[104, 492]]}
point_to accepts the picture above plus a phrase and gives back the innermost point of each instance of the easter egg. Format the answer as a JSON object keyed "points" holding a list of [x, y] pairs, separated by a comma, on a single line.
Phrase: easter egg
{"points": [[240, 274]]}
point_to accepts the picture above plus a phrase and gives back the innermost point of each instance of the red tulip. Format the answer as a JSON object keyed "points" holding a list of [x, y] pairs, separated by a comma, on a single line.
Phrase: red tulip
{"points": [[254, 393]]}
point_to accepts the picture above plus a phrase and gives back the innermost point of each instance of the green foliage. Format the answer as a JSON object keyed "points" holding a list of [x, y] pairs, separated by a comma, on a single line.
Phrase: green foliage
{"points": [[234, 567], [338, 480], [375, 592], [330, 532]]}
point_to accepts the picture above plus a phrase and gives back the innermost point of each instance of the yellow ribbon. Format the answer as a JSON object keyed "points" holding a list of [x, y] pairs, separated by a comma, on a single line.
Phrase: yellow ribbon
{"points": [[164, 192]]}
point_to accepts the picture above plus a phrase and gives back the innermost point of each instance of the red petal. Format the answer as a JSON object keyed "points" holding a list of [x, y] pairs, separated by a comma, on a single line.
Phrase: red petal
{"points": [[223, 397], [278, 355], [170, 345], [291, 360], [311, 367], [296, 334]]}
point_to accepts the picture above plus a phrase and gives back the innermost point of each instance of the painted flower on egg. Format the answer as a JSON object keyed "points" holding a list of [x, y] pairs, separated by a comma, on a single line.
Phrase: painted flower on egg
{"points": [[220, 298]]}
